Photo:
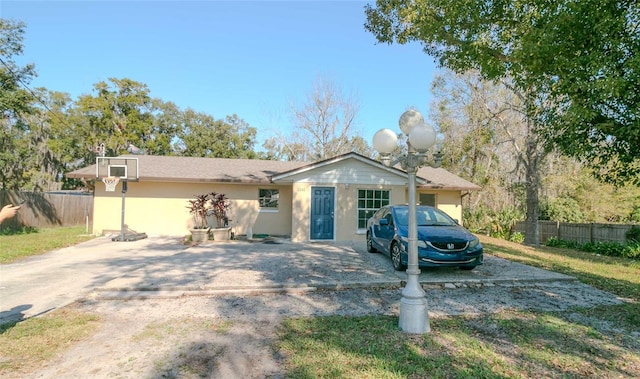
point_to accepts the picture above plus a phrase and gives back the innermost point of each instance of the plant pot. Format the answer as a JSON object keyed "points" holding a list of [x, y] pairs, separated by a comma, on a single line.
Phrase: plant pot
{"points": [[199, 235], [221, 234]]}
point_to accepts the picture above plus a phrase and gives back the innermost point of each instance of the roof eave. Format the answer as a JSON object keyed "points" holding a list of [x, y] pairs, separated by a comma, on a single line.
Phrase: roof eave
{"points": [[281, 177], [447, 187]]}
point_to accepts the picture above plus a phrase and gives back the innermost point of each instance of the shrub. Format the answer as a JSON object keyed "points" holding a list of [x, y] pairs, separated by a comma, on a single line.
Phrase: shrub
{"points": [[209, 204], [219, 207], [21, 230], [611, 249], [200, 208], [632, 250], [555, 242], [564, 209], [517, 237], [474, 219], [633, 234], [503, 221]]}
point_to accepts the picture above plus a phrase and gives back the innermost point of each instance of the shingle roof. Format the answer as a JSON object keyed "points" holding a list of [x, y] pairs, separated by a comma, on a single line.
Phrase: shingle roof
{"points": [[189, 169], [439, 178]]}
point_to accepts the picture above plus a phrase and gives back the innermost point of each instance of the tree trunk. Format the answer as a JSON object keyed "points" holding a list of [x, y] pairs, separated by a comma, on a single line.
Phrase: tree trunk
{"points": [[532, 232]]}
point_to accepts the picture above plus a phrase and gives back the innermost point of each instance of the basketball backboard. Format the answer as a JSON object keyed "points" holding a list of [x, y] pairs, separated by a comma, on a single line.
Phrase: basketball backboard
{"points": [[123, 168]]}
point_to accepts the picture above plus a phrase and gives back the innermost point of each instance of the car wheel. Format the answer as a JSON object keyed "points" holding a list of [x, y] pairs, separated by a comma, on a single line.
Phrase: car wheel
{"points": [[370, 247], [395, 257], [467, 268]]}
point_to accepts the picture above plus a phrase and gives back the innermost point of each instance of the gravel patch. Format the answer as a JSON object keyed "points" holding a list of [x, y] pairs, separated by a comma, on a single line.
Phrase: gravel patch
{"points": [[232, 336]]}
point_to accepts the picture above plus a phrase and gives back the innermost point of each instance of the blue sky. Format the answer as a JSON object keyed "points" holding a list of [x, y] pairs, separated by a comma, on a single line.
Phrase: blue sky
{"points": [[251, 58]]}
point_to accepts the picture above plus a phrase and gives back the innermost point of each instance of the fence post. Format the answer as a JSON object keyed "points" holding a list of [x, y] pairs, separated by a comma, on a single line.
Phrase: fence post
{"points": [[591, 233]]}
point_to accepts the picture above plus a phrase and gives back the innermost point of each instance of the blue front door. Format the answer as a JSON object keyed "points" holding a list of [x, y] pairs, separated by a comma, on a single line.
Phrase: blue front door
{"points": [[322, 202]]}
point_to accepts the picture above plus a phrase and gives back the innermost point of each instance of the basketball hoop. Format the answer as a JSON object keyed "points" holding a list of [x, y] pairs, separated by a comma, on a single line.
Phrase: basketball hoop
{"points": [[110, 183]]}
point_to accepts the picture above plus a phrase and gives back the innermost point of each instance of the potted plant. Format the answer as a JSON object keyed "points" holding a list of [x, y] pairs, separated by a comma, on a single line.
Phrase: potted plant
{"points": [[200, 209], [220, 205]]}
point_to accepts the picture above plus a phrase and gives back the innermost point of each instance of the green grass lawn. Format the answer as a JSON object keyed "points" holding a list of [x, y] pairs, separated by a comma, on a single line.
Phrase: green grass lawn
{"points": [[620, 276], [37, 340], [19, 246]]}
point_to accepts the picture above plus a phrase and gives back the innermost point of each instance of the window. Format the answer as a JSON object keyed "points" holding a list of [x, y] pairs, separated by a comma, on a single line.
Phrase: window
{"points": [[428, 199], [268, 198], [369, 201]]}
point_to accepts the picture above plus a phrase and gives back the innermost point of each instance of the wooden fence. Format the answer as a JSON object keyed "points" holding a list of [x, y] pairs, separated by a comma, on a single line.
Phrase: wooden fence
{"points": [[43, 210], [581, 233]]}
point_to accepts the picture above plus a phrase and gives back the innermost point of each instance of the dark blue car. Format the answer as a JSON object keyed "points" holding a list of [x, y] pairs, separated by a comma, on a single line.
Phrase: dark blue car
{"points": [[442, 242]]}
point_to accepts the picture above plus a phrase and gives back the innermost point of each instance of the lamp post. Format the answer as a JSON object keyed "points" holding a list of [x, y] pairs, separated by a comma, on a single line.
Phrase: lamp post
{"points": [[414, 317]]}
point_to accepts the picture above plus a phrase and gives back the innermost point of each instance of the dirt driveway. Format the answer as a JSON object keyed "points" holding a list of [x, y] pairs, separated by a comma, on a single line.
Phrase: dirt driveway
{"points": [[152, 328], [165, 267]]}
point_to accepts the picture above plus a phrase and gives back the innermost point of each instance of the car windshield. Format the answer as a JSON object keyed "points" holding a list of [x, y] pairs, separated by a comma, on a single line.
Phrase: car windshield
{"points": [[424, 216]]}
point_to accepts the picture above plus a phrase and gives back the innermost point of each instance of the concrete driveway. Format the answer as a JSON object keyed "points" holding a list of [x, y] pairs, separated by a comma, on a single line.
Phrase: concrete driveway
{"points": [[163, 267]]}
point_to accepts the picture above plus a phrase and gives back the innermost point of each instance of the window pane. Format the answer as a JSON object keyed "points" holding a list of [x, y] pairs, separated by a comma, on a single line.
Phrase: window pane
{"points": [[268, 198], [369, 202], [428, 199]]}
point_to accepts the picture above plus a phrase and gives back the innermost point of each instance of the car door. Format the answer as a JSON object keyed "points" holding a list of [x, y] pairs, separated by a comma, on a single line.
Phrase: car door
{"points": [[386, 231], [376, 227]]}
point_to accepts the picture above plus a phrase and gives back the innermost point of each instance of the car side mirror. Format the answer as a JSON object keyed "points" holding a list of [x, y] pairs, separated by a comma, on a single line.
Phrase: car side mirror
{"points": [[384, 222], [456, 220]]}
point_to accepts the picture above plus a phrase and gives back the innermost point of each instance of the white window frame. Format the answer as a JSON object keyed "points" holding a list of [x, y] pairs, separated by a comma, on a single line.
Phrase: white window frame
{"points": [[262, 198], [382, 203]]}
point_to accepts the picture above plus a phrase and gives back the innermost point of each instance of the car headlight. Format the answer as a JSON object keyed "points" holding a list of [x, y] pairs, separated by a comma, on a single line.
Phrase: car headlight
{"points": [[473, 243], [422, 244]]}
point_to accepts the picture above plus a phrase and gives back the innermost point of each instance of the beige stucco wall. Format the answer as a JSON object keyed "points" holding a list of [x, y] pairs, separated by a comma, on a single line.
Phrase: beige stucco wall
{"points": [[160, 208], [347, 177], [449, 202], [346, 207]]}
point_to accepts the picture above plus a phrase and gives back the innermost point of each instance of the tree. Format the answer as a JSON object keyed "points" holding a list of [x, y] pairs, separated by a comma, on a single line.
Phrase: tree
{"points": [[485, 138], [200, 135], [15, 105], [502, 41], [322, 126], [491, 115], [49, 142], [576, 61], [118, 113], [478, 144], [588, 57], [566, 179]]}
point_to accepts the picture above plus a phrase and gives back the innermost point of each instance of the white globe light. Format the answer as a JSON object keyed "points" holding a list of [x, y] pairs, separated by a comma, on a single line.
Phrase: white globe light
{"points": [[422, 137], [385, 141], [409, 119]]}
